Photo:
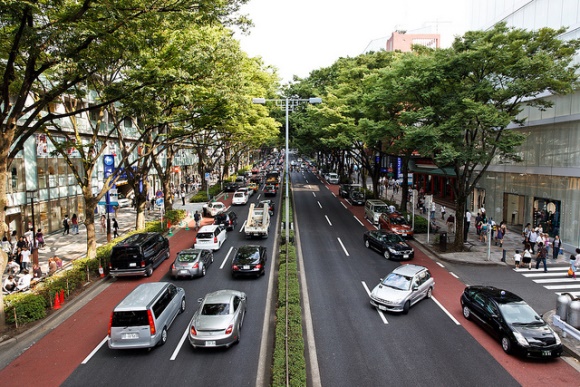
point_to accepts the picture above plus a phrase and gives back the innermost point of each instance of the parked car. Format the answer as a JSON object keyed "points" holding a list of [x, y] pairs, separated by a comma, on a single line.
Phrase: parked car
{"points": [[218, 320], [344, 190], [403, 288], [332, 178], [213, 208], [270, 190], [508, 318], [240, 198], [249, 260], [356, 196], [210, 237], [374, 208], [138, 255], [391, 245], [396, 223], [228, 220], [191, 263]]}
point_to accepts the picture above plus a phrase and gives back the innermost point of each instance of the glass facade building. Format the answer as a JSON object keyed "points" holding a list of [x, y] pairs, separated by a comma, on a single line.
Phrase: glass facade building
{"points": [[545, 187]]}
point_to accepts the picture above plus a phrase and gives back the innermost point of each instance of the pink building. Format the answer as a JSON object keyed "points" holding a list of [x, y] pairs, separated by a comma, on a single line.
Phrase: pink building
{"points": [[401, 41]]}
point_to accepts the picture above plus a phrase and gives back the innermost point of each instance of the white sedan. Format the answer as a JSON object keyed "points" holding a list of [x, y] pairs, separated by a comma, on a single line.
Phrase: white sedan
{"points": [[240, 198]]}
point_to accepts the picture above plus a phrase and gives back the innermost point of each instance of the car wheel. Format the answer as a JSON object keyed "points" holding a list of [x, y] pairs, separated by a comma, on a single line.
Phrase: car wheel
{"points": [[466, 312], [211, 259], [406, 307], [367, 244], [386, 254], [163, 338], [506, 344], [149, 272], [203, 271], [429, 293], [182, 308]]}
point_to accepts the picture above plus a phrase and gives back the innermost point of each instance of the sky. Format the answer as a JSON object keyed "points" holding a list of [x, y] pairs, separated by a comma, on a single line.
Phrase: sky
{"points": [[299, 36]]}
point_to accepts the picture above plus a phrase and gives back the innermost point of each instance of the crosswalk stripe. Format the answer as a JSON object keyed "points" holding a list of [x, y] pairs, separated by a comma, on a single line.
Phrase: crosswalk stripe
{"points": [[553, 280], [550, 268], [543, 274], [551, 287]]}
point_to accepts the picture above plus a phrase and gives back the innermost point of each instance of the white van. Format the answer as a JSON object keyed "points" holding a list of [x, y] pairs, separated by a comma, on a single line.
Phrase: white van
{"points": [[332, 178], [143, 318], [373, 210]]}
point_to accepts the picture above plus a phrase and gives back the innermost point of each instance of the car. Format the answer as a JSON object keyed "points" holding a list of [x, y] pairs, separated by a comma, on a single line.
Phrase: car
{"points": [[253, 186], [391, 245], [396, 223], [344, 190], [270, 190], [332, 178], [403, 288], [374, 208], [249, 260], [357, 196], [228, 220], [231, 187], [124, 201], [213, 208], [509, 319], [191, 263], [249, 192], [270, 204], [218, 320], [210, 237], [240, 198]]}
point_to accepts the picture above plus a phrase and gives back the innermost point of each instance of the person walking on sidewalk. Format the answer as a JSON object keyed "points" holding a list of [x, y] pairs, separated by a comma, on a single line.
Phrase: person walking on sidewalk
{"points": [[75, 224], [467, 221], [442, 212], [541, 257], [65, 224], [533, 239], [197, 218], [115, 228], [183, 197], [556, 246]]}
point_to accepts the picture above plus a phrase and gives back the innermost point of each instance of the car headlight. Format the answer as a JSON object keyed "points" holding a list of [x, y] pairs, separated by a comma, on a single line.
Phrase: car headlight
{"points": [[521, 339], [558, 341], [392, 250]]}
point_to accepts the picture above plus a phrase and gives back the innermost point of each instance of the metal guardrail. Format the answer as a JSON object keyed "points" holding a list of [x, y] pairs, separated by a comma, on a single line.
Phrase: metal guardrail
{"points": [[565, 327]]}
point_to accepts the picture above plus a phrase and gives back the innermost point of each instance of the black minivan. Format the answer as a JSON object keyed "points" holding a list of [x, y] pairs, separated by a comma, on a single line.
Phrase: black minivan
{"points": [[138, 255]]}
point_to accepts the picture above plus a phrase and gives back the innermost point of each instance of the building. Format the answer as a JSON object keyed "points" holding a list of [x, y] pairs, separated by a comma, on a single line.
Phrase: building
{"points": [[544, 188], [401, 41]]}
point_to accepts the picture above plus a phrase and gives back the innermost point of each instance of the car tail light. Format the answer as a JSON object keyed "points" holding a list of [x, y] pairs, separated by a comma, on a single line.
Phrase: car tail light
{"points": [[196, 265], [142, 263], [258, 266], [194, 240], [230, 329], [192, 331], [151, 322], [214, 239], [110, 325], [235, 267]]}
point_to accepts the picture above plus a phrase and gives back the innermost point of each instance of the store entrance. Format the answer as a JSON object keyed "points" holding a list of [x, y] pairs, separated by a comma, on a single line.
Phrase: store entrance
{"points": [[513, 209]]}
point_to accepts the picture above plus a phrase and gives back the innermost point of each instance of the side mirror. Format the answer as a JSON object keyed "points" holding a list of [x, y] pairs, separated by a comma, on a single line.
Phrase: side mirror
{"points": [[415, 287], [200, 300]]}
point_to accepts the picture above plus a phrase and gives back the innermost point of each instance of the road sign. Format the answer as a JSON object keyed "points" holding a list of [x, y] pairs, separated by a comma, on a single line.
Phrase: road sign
{"points": [[207, 176]]}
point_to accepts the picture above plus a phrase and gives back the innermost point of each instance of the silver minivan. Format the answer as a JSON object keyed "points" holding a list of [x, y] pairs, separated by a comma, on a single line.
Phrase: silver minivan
{"points": [[374, 208], [143, 318]]}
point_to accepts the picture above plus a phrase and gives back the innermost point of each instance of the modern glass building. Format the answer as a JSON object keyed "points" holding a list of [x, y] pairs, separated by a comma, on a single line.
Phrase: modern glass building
{"points": [[545, 187]]}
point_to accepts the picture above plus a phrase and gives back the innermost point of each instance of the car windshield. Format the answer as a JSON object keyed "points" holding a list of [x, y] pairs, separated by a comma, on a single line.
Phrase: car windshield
{"points": [[239, 194], [204, 235], [187, 257], [397, 281], [215, 309], [519, 313], [247, 256], [399, 220], [381, 209], [391, 238]]}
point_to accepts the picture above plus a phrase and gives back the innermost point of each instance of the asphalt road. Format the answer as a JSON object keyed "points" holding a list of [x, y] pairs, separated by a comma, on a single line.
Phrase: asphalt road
{"points": [[356, 345], [76, 353]]}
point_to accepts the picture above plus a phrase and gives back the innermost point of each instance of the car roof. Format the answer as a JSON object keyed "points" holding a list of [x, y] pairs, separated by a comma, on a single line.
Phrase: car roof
{"points": [[250, 247], [383, 231], [192, 251], [208, 228], [500, 296], [220, 296], [409, 270]]}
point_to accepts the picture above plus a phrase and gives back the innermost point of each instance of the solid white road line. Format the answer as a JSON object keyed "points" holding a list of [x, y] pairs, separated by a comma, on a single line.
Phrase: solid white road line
{"points": [[440, 264], [180, 344], [378, 311], [328, 220], [95, 350], [227, 257], [344, 205], [319, 205], [445, 310], [454, 275], [314, 194], [346, 252], [358, 220]]}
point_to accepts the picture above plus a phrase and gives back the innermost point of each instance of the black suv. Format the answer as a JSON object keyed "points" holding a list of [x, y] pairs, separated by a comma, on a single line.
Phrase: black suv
{"points": [[138, 255], [343, 190], [228, 220]]}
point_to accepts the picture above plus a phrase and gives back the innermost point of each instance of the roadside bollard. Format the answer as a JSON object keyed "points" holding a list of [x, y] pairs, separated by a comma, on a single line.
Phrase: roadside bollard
{"points": [[503, 255]]}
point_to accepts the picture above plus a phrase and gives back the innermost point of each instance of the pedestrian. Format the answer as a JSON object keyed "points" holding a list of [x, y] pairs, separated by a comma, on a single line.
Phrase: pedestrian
{"points": [[197, 218], [75, 224], [183, 198], [115, 228], [484, 231], [65, 225], [492, 228], [526, 233], [103, 223], [451, 223], [517, 259], [36, 271], [533, 239], [442, 212], [499, 237], [527, 258], [432, 210], [40, 238], [467, 221], [24, 258], [573, 267], [541, 257], [556, 247], [51, 266]]}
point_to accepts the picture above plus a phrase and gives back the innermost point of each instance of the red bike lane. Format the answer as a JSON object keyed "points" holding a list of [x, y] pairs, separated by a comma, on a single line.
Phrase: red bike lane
{"points": [[448, 292], [51, 360]]}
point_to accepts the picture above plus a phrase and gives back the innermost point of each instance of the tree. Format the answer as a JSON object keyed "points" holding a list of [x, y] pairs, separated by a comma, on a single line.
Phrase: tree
{"points": [[465, 97]]}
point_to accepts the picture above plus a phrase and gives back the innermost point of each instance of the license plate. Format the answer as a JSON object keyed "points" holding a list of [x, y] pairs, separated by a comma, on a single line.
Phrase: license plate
{"points": [[246, 267], [406, 256], [210, 343], [183, 272], [546, 353], [404, 234], [133, 264], [129, 336], [381, 307]]}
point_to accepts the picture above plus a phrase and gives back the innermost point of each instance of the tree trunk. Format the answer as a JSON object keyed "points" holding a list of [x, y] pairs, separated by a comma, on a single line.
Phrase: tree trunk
{"points": [[90, 205]]}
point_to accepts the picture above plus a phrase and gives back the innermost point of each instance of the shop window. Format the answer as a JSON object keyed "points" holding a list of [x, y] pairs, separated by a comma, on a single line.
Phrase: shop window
{"points": [[547, 213]]}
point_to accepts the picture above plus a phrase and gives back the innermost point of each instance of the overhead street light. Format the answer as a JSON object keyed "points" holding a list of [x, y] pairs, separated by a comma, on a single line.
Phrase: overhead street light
{"points": [[287, 104]]}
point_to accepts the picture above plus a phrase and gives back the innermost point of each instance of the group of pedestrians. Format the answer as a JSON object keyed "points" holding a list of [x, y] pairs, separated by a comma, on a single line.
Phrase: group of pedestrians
{"points": [[70, 224]]}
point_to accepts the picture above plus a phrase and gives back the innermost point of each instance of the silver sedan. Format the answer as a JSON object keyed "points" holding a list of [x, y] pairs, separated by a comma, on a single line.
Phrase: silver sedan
{"points": [[191, 263], [218, 320]]}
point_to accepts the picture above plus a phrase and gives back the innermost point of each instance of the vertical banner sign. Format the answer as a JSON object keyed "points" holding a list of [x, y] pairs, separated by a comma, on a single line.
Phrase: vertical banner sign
{"points": [[109, 168]]}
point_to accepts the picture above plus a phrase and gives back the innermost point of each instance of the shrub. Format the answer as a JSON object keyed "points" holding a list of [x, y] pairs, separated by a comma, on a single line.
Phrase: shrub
{"points": [[22, 308], [175, 216]]}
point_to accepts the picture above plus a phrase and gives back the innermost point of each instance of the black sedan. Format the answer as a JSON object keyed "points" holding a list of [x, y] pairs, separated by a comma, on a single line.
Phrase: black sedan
{"points": [[511, 320], [231, 187], [391, 245], [249, 260]]}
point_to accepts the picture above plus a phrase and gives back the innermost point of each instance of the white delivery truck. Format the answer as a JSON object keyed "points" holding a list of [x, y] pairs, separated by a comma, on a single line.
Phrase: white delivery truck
{"points": [[258, 222]]}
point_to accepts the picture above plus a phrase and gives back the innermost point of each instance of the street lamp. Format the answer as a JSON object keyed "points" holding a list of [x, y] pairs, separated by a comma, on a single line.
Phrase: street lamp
{"points": [[287, 104], [31, 194]]}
